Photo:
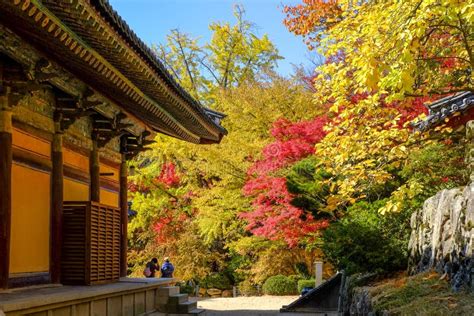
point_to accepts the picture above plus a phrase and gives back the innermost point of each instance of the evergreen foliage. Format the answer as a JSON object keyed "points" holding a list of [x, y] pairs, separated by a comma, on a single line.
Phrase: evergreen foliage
{"points": [[305, 283], [279, 285]]}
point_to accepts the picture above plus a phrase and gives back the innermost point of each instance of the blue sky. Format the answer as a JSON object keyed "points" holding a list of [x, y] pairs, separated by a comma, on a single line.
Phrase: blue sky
{"points": [[153, 19]]}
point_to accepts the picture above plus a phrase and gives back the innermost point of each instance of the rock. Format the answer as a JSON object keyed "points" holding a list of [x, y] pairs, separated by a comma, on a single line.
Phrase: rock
{"points": [[213, 292], [442, 237], [202, 291], [216, 296], [227, 293], [361, 302], [354, 298]]}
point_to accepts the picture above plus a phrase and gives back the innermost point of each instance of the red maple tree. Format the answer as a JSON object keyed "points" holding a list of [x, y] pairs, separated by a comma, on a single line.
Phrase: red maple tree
{"points": [[273, 216]]}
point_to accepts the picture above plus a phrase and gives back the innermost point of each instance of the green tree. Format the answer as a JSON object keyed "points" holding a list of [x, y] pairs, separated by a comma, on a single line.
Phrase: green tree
{"points": [[234, 55]]}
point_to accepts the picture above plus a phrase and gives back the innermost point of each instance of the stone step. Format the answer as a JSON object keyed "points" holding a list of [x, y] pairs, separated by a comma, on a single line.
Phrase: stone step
{"points": [[178, 298], [186, 307], [197, 311], [183, 307], [172, 300], [166, 291]]}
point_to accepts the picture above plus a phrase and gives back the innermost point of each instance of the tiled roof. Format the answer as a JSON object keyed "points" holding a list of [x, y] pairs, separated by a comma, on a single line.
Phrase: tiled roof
{"points": [[445, 108]]}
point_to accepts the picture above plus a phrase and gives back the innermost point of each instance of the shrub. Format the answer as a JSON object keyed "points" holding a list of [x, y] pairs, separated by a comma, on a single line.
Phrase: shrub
{"points": [[279, 285], [247, 288], [305, 283], [186, 289], [216, 281], [367, 241], [295, 278]]}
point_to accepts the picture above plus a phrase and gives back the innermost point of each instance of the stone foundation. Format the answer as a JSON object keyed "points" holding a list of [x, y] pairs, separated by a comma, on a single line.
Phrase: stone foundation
{"points": [[131, 297]]}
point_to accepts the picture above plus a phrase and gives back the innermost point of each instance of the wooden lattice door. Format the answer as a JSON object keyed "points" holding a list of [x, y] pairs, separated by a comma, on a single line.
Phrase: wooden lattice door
{"points": [[91, 243]]}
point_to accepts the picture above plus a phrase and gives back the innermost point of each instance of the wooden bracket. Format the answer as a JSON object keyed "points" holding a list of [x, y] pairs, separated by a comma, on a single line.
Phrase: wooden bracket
{"points": [[132, 145], [106, 129], [18, 81], [37, 72], [71, 108]]}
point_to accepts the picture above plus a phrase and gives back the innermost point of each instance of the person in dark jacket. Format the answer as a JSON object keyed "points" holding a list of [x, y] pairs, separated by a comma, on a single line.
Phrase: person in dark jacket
{"points": [[167, 269], [153, 267]]}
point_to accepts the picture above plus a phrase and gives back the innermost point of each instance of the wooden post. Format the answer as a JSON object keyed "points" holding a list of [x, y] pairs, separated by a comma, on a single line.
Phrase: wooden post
{"points": [[124, 216], [318, 273], [5, 187], [94, 168], [57, 185]]}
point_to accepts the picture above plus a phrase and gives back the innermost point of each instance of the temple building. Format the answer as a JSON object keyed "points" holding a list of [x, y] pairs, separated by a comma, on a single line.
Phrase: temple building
{"points": [[80, 94]]}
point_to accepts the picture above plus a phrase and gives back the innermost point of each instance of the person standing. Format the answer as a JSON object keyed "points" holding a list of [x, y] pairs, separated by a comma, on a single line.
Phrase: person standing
{"points": [[167, 269], [151, 268]]}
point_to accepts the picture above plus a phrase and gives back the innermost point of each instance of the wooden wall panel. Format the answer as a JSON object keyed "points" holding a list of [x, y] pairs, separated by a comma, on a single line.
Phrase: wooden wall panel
{"points": [[30, 229], [109, 169], [75, 190], [75, 160], [108, 197], [33, 144]]}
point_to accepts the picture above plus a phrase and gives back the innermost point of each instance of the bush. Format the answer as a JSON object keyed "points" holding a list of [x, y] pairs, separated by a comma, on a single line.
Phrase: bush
{"points": [[305, 283], [367, 241], [279, 285], [186, 289], [247, 288], [295, 278], [216, 281]]}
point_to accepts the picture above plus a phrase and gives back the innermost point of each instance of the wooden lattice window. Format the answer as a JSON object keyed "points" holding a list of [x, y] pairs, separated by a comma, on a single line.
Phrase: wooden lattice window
{"points": [[91, 243]]}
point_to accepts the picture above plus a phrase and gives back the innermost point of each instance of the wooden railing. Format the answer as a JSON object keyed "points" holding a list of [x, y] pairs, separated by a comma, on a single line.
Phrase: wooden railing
{"points": [[90, 243]]}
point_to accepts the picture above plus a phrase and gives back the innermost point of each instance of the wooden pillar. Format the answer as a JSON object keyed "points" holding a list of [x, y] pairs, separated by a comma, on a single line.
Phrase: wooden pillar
{"points": [[5, 187], [124, 216], [94, 168], [57, 187]]}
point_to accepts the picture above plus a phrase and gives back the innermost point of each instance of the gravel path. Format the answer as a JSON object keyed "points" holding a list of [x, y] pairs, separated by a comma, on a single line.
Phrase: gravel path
{"points": [[246, 306]]}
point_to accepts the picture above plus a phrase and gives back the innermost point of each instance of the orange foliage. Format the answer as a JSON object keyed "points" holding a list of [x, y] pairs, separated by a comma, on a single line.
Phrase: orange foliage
{"points": [[311, 18]]}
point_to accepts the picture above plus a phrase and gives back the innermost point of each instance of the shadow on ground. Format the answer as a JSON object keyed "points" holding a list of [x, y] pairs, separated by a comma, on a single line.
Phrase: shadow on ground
{"points": [[249, 312]]}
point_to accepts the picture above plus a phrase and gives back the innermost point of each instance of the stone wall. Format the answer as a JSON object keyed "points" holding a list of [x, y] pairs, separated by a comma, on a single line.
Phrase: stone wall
{"points": [[443, 236]]}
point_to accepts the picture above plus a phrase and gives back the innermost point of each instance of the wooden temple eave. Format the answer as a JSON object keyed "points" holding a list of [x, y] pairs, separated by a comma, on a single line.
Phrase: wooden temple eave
{"points": [[13, 46], [133, 60], [36, 23]]}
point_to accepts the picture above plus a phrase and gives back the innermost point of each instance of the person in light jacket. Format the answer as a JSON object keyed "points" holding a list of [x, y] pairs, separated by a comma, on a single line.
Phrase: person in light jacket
{"points": [[167, 269]]}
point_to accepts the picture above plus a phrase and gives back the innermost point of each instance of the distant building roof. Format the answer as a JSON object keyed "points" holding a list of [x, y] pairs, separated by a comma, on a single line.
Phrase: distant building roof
{"points": [[90, 40], [445, 108]]}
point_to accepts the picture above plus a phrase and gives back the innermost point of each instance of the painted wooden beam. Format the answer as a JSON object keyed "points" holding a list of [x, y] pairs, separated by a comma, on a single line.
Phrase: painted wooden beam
{"points": [[6, 156], [124, 216], [94, 169], [57, 181]]}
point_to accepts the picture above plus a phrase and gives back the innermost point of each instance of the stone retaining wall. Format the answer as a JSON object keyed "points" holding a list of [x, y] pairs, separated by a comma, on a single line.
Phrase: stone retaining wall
{"points": [[443, 236]]}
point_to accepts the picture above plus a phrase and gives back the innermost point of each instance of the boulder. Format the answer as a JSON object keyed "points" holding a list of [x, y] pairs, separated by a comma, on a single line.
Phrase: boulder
{"points": [[202, 291], [213, 292], [227, 293]]}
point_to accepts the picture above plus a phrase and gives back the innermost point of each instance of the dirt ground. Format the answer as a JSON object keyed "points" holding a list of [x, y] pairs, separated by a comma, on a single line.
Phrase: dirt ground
{"points": [[246, 306]]}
